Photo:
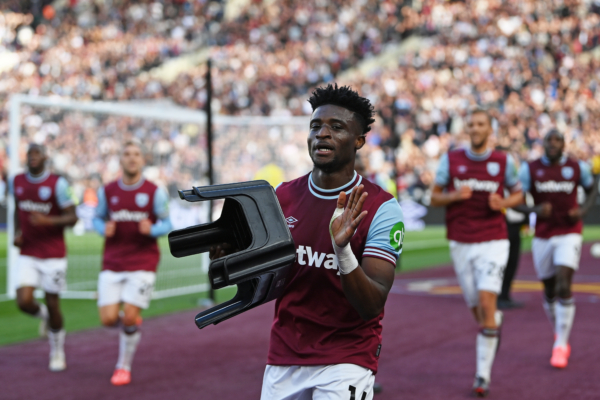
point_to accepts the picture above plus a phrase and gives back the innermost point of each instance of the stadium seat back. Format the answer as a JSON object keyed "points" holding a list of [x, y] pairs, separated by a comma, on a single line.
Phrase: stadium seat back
{"points": [[253, 224]]}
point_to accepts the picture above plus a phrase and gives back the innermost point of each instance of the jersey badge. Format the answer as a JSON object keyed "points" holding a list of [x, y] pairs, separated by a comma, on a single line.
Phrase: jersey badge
{"points": [[397, 236], [291, 221], [44, 192], [462, 169], [141, 199], [567, 172], [493, 168]]}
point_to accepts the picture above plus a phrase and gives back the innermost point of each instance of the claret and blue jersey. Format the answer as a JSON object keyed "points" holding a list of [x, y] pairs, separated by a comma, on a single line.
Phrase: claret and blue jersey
{"points": [[314, 322]]}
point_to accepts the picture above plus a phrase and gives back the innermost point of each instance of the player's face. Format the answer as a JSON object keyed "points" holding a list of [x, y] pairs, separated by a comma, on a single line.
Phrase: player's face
{"points": [[132, 160], [479, 129], [35, 160], [334, 137], [554, 146]]}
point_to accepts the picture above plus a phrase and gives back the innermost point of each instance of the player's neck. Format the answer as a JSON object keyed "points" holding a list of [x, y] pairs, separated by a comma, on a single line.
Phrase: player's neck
{"points": [[36, 173], [479, 150], [131, 179], [554, 161], [332, 180]]}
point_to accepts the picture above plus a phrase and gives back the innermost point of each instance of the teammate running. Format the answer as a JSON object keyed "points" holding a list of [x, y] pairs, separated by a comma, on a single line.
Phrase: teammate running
{"points": [[552, 181], [474, 180], [326, 334], [131, 214], [44, 208]]}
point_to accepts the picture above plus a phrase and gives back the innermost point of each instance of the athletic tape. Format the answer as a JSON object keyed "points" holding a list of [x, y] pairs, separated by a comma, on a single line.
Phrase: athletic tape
{"points": [[347, 261]]}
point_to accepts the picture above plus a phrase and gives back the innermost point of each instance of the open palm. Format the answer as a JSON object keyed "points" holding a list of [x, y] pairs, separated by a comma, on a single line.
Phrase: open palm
{"points": [[343, 227]]}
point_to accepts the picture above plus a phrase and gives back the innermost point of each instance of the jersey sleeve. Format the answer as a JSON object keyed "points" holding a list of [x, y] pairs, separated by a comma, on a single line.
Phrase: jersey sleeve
{"points": [[386, 233], [586, 179], [511, 176], [442, 175], [161, 204], [102, 207], [525, 177], [63, 193], [11, 186]]}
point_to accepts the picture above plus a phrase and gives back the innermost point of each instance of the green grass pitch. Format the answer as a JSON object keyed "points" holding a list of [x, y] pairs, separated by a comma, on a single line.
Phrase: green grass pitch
{"points": [[424, 249]]}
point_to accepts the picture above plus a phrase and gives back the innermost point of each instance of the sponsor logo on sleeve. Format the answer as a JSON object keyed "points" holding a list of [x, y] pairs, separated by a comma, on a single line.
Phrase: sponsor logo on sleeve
{"points": [[44, 192], [493, 168], [141, 199], [397, 236], [567, 172]]}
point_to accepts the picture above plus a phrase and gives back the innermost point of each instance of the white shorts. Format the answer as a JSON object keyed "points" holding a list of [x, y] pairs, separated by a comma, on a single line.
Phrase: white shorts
{"points": [[560, 250], [479, 267], [50, 274], [132, 287], [318, 382]]}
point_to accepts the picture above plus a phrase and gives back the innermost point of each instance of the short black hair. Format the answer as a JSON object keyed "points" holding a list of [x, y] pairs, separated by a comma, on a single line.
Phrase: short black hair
{"points": [[556, 132], [347, 98]]}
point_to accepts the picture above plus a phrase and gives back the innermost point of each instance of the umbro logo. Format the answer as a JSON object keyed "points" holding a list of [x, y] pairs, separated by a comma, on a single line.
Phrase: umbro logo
{"points": [[291, 221]]}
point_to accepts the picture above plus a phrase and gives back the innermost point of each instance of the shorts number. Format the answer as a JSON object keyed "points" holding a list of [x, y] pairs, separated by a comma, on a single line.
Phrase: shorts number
{"points": [[352, 390]]}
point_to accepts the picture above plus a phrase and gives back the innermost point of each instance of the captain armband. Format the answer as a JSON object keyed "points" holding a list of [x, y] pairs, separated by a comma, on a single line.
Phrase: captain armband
{"points": [[347, 261]]}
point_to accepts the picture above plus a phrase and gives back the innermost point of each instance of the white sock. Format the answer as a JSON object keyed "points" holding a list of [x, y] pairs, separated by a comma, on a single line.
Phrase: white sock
{"points": [[550, 309], [127, 346], [498, 318], [487, 342], [565, 313], [57, 340], [42, 312]]}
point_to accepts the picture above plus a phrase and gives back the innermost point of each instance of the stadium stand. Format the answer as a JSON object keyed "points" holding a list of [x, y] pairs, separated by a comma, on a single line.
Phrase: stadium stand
{"points": [[534, 63]]}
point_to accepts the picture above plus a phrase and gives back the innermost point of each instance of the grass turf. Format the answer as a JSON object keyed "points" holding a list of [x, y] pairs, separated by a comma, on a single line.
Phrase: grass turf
{"points": [[424, 249]]}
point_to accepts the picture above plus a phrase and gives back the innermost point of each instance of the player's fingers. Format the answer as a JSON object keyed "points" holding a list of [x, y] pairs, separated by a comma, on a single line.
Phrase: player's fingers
{"points": [[361, 216], [341, 200], [359, 204]]}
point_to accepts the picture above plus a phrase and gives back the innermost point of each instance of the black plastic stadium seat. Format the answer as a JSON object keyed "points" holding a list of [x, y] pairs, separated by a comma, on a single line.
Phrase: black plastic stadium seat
{"points": [[252, 223]]}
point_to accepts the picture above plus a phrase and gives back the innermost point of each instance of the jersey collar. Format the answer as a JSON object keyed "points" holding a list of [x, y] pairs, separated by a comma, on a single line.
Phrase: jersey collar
{"points": [[37, 178], [478, 157], [546, 161], [135, 186], [332, 194]]}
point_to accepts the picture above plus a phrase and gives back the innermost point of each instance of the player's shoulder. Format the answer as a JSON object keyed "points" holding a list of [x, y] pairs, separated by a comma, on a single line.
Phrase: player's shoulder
{"points": [[112, 185], [292, 186], [499, 155], [377, 195], [456, 153], [149, 185]]}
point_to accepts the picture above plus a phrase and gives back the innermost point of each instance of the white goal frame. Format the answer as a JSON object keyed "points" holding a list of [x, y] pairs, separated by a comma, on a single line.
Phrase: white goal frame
{"points": [[151, 111]]}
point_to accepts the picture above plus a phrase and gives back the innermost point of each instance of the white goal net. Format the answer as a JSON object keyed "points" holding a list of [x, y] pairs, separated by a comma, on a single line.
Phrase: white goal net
{"points": [[83, 141]]}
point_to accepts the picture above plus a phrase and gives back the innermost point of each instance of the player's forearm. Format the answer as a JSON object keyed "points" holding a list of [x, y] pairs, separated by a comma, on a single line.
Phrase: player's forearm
{"points": [[366, 295], [99, 225], [63, 220], [513, 200], [591, 197], [525, 209], [161, 227], [442, 199]]}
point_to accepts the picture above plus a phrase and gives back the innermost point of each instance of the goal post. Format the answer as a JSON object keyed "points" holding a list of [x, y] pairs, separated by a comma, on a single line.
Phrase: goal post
{"points": [[245, 148]]}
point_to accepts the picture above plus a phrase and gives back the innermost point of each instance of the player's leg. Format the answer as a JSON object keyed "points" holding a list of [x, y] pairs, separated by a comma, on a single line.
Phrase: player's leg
{"points": [[461, 260], [289, 382], [566, 256], [110, 287], [489, 268], [29, 278], [54, 271], [137, 293], [542, 251]]}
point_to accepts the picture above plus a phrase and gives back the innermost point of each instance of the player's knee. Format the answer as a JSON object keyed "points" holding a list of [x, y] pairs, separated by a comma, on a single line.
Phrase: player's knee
{"points": [[130, 319], [25, 304], [109, 320], [563, 290]]}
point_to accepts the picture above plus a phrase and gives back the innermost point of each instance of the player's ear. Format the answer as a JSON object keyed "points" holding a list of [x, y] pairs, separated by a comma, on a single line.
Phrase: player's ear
{"points": [[360, 141]]}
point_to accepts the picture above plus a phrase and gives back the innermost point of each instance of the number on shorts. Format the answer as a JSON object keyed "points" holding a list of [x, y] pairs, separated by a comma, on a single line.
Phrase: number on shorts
{"points": [[352, 390]]}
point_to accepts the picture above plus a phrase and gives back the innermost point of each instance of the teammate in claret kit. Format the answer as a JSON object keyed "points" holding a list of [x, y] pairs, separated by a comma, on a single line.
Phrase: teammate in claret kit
{"points": [[131, 214], [44, 208], [326, 334], [552, 180], [470, 184]]}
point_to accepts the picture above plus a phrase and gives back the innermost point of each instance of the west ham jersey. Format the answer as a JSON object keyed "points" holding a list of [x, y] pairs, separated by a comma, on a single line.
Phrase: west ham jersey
{"points": [[557, 185], [128, 205], [46, 194], [314, 323], [472, 220]]}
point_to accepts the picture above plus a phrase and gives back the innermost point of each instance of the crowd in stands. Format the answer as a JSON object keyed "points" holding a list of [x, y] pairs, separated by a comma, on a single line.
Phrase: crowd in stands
{"points": [[533, 64]]}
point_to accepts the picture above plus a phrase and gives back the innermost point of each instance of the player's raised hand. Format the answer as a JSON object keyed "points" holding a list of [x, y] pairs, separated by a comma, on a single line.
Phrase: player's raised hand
{"points": [[463, 193], [145, 226], [344, 225], [18, 242], [496, 202], [544, 210], [38, 219], [110, 228]]}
